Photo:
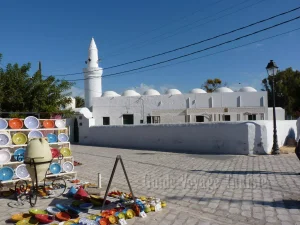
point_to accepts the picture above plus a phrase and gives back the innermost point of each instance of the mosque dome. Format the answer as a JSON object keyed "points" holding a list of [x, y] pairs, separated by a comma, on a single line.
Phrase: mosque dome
{"points": [[247, 89], [151, 92], [197, 91], [173, 92], [130, 93], [223, 89], [110, 94]]}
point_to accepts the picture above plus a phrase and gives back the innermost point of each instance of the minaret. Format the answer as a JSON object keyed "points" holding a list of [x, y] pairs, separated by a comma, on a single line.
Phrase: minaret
{"points": [[92, 76]]}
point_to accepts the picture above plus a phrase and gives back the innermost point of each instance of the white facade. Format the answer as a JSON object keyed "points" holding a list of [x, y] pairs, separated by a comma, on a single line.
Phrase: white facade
{"points": [[92, 76]]}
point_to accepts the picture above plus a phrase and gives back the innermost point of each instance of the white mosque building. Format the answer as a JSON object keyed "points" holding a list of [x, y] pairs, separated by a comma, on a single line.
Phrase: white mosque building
{"points": [[225, 121]]}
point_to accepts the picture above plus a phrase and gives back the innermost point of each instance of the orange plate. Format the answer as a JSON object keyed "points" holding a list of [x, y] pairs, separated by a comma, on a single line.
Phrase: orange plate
{"points": [[104, 221], [15, 123], [62, 216], [48, 123]]}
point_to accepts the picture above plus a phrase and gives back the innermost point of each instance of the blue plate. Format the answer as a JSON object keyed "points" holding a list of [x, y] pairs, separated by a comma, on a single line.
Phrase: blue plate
{"points": [[55, 168], [73, 210], [52, 138], [61, 207], [19, 154], [6, 173], [86, 206]]}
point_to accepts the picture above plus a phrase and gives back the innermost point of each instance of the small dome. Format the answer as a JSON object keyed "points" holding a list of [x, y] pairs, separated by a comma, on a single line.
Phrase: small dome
{"points": [[130, 93], [173, 92], [151, 92], [223, 89], [197, 91], [110, 94], [247, 89]]}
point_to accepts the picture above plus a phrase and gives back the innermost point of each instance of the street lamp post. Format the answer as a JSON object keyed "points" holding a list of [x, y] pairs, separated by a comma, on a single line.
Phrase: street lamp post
{"points": [[272, 69]]}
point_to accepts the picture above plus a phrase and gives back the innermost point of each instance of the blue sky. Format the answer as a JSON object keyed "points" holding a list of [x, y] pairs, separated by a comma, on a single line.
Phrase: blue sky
{"points": [[59, 32]]}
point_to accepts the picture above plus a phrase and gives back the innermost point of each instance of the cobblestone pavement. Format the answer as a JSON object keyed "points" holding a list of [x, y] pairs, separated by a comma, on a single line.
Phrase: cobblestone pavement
{"points": [[199, 189]]}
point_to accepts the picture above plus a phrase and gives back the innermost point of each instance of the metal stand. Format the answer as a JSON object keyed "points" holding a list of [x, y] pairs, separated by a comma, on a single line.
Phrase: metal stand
{"points": [[111, 177]]}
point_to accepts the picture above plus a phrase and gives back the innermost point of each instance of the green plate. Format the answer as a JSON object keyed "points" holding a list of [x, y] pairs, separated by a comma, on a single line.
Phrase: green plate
{"points": [[28, 221], [19, 138], [37, 211], [65, 152]]}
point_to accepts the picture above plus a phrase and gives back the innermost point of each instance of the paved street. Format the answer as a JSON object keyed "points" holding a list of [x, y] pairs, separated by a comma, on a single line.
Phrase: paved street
{"points": [[199, 189]]}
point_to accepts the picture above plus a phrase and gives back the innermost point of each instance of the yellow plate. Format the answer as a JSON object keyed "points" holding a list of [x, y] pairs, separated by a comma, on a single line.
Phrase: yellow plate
{"points": [[65, 152], [28, 221], [19, 216], [19, 138]]}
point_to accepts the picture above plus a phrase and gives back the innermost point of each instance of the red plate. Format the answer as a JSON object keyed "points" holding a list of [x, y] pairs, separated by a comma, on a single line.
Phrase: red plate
{"points": [[48, 123], [44, 218], [15, 123], [55, 152]]}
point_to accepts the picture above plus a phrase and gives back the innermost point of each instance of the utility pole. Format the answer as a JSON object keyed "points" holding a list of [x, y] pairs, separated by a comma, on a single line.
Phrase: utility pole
{"points": [[40, 67]]}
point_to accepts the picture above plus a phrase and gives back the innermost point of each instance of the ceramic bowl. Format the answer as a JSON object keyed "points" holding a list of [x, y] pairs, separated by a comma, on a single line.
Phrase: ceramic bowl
{"points": [[48, 124], [68, 166], [35, 211], [19, 138], [31, 122], [55, 168], [65, 152], [28, 221], [19, 154], [3, 124], [35, 134], [63, 137], [19, 216], [44, 218], [6, 173], [15, 123], [4, 138], [60, 123], [62, 216], [21, 171], [52, 210], [52, 138], [5, 156], [55, 152], [86, 206], [61, 207]]}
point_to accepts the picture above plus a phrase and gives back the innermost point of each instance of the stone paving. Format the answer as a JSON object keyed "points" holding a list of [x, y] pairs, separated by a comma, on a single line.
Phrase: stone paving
{"points": [[199, 189]]}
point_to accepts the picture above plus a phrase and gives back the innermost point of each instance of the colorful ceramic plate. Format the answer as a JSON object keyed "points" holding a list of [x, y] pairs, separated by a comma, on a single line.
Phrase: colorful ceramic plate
{"points": [[35, 211], [15, 123], [19, 154], [55, 153], [86, 206], [61, 207], [4, 156], [31, 122], [51, 138], [55, 168], [63, 137], [4, 138], [28, 221], [3, 124], [19, 138], [19, 216], [65, 152], [68, 166], [6, 173], [21, 171], [48, 124], [35, 134], [44, 218], [60, 123], [52, 210], [62, 216]]}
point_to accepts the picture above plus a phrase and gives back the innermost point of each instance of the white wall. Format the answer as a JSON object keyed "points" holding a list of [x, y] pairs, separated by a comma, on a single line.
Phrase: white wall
{"points": [[280, 113], [213, 138]]}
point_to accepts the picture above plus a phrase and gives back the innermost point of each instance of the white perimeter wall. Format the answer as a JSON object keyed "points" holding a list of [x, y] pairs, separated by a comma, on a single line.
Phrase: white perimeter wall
{"points": [[211, 138]]}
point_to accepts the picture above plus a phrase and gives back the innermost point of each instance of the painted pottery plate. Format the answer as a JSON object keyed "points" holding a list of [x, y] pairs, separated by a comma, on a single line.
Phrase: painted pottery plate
{"points": [[4, 138], [3, 124], [15, 123], [86, 206], [65, 152], [44, 218], [48, 124], [31, 122], [55, 152], [51, 138], [52, 210], [28, 221], [4, 156], [62, 216], [61, 207], [35, 211], [19, 154], [55, 168], [63, 137], [19, 138], [6, 173], [35, 134], [60, 123], [19, 216], [21, 171], [68, 167]]}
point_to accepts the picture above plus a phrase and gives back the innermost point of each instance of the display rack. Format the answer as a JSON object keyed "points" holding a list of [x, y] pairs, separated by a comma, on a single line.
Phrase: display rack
{"points": [[12, 147]]}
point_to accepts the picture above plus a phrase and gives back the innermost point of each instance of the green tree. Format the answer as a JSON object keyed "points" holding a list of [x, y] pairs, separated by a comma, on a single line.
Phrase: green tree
{"points": [[79, 102], [19, 92], [287, 89], [211, 85]]}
